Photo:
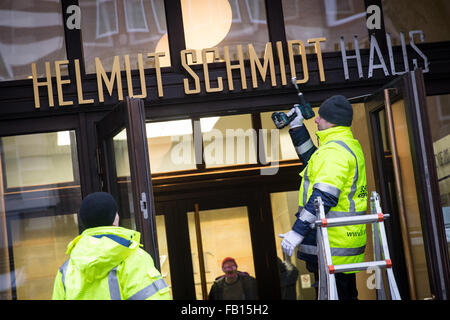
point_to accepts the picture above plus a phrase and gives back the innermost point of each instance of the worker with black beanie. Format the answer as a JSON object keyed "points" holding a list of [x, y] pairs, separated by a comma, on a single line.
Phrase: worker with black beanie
{"points": [[98, 209], [106, 261]]}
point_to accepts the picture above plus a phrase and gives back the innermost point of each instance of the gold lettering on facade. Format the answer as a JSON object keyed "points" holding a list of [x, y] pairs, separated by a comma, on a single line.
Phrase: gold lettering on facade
{"points": [[215, 52], [257, 65], [156, 55], [318, 50], [302, 52], [37, 84], [268, 62], [231, 67], [281, 62], [81, 100], [102, 77], [140, 66], [60, 82], [191, 72]]}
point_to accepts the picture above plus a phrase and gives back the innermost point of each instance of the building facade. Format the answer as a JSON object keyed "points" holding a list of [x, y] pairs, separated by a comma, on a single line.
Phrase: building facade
{"points": [[167, 105]]}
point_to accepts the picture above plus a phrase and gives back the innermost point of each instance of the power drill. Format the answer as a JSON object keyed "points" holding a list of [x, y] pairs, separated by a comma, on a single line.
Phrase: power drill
{"points": [[281, 120]]}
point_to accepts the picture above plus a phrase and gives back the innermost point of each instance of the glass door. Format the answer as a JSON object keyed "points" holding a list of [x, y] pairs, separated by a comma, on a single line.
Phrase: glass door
{"points": [[405, 177], [214, 235], [39, 199], [125, 169]]}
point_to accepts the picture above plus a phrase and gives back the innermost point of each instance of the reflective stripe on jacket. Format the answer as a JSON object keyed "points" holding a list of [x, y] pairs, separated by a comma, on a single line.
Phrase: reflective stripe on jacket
{"points": [[107, 263], [337, 168]]}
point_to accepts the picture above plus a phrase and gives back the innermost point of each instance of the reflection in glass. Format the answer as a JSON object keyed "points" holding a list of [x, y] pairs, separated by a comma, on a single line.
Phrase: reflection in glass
{"points": [[40, 242], [118, 27], [406, 15], [307, 19], [284, 207], [163, 250], [219, 23], [170, 146], [409, 194], [438, 108], [31, 31], [39, 159], [37, 221], [228, 140], [225, 233], [123, 179]]}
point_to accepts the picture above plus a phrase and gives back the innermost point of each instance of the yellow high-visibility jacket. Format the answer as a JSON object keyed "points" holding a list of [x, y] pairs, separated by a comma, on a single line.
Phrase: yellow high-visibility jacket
{"points": [[336, 168], [107, 263]]}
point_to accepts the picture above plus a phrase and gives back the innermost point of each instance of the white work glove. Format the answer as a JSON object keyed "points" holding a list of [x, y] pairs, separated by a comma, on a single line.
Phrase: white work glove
{"points": [[291, 239], [298, 120]]}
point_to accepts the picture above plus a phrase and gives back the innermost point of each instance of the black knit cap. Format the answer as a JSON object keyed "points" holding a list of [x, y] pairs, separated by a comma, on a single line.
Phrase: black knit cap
{"points": [[337, 110], [98, 210]]}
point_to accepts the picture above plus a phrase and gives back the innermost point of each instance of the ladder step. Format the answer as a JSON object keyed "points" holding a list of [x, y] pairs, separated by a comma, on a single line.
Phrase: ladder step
{"points": [[353, 220], [361, 266]]}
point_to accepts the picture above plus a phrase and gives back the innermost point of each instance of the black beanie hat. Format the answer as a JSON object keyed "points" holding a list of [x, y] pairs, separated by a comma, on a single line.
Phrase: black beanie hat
{"points": [[337, 110], [98, 210]]}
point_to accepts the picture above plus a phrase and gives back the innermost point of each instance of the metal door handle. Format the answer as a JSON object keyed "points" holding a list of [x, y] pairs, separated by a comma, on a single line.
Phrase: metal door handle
{"points": [[144, 207]]}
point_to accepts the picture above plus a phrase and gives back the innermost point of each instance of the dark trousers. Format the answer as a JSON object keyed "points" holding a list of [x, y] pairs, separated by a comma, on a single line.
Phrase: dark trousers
{"points": [[345, 283]]}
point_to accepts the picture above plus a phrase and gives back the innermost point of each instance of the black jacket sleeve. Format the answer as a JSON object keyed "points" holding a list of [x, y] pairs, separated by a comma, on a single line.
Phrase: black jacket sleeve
{"points": [[303, 226], [302, 143]]}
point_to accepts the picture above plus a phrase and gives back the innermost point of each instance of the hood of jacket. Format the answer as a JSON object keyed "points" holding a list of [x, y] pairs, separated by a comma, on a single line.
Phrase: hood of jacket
{"points": [[98, 250]]}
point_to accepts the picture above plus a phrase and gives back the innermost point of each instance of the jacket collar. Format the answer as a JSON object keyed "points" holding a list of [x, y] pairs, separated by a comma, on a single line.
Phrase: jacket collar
{"points": [[132, 236], [334, 133]]}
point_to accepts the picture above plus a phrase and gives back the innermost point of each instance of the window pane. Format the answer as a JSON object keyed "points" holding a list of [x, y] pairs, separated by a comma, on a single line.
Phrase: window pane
{"points": [[123, 176], [118, 27], [40, 242], [284, 207], [432, 17], [410, 201], [36, 224], [228, 140], [284, 143], [170, 146], [163, 251], [31, 31], [39, 159], [225, 233], [439, 114], [306, 19], [219, 23]]}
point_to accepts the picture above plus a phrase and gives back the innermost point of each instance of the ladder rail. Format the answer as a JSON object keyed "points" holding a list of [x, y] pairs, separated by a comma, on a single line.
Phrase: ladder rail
{"points": [[331, 283], [349, 221], [380, 289], [360, 266], [326, 268], [393, 288]]}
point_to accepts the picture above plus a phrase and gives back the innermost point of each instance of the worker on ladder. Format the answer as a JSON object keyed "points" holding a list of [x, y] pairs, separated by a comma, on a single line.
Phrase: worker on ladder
{"points": [[335, 172]]}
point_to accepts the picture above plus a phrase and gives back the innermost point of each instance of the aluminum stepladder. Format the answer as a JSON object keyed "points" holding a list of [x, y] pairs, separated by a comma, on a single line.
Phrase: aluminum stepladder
{"points": [[327, 280]]}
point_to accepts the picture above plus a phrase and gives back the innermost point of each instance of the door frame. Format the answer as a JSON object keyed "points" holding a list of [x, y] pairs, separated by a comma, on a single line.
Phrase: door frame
{"points": [[260, 220], [130, 115], [410, 87]]}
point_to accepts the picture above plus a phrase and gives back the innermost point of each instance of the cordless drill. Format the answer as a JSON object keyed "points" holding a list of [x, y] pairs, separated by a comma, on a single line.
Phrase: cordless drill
{"points": [[280, 119]]}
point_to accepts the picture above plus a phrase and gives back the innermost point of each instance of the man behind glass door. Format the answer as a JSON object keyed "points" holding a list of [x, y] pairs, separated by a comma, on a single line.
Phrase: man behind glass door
{"points": [[234, 284], [335, 172], [106, 261]]}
